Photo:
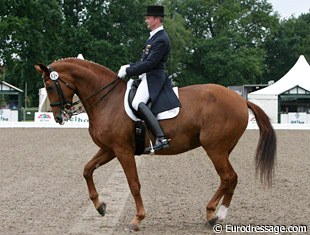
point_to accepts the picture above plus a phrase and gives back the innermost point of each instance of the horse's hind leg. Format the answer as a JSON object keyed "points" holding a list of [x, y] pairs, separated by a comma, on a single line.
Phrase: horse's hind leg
{"points": [[228, 183], [99, 159]]}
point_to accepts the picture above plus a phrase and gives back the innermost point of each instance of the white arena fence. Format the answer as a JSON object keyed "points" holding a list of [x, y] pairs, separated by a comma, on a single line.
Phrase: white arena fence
{"points": [[46, 120]]}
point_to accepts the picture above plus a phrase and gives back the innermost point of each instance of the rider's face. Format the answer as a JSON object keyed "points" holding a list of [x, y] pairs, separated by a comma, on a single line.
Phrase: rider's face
{"points": [[152, 22]]}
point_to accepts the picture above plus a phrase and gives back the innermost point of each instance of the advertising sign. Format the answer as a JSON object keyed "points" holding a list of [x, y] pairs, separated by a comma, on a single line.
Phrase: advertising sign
{"points": [[297, 118], [80, 120], [8, 115]]}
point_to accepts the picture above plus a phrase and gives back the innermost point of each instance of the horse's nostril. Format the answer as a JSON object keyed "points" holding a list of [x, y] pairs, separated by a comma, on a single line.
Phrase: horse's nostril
{"points": [[58, 119]]}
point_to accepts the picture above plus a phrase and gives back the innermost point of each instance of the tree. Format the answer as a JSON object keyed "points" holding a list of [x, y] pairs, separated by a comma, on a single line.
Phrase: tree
{"points": [[290, 40], [228, 38], [229, 42], [29, 34], [101, 32], [42, 31]]}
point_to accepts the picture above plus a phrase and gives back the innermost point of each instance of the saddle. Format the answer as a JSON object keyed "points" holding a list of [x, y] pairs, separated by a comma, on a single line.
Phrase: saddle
{"points": [[132, 88], [140, 127]]}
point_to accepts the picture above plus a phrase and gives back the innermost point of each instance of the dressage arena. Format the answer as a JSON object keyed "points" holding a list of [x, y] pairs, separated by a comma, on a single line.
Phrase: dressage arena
{"points": [[43, 190]]}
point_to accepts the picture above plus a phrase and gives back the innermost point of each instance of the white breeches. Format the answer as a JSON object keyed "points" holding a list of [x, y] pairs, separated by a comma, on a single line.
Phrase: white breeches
{"points": [[142, 94]]}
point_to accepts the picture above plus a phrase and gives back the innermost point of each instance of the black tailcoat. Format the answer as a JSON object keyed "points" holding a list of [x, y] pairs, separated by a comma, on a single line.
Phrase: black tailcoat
{"points": [[154, 56]]}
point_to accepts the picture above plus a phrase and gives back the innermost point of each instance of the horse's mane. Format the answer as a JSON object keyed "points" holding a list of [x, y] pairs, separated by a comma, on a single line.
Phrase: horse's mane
{"points": [[74, 60]]}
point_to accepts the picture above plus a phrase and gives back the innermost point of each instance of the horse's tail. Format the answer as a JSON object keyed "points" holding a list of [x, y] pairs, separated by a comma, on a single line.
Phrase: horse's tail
{"points": [[266, 148]]}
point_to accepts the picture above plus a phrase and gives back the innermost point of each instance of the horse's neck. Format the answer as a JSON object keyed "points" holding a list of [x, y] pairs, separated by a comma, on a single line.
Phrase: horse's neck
{"points": [[98, 81]]}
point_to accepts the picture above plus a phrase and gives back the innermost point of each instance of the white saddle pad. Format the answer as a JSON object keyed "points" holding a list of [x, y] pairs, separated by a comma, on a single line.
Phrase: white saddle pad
{"points": [[161, 116]]}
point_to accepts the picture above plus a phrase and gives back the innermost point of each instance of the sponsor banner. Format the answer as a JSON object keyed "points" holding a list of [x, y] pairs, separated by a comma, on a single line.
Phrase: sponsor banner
{"points": [[44, 117], [8, 115], [80, 120], [295, 118]]}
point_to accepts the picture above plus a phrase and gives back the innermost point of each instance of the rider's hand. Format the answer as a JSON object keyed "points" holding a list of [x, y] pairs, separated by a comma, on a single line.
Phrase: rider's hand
{"points": [[122, 71]]}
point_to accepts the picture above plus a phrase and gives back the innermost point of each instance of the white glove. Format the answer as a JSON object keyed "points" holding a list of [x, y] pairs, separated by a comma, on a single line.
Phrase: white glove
{"points": [[122, 71]]}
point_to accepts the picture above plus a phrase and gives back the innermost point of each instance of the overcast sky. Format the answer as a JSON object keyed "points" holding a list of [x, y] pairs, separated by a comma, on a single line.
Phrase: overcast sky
{"points": [[286, 8]]}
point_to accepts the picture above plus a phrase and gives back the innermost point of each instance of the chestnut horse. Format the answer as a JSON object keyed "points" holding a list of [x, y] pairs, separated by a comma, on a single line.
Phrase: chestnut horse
{"points": [[211, 116]]}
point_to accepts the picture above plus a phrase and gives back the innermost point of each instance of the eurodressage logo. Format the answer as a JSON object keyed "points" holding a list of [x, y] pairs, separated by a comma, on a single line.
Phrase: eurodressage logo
{"points": [[44, 117]]}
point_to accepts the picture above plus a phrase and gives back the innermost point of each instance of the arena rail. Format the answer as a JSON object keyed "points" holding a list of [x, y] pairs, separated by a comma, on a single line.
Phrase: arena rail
{"points": [[46, 120], [251, 126]]}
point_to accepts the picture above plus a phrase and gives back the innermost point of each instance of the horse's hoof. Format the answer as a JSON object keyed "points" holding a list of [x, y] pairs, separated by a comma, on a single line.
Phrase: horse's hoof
{"points": [[213, 221], [102, 209], [133, 228]]}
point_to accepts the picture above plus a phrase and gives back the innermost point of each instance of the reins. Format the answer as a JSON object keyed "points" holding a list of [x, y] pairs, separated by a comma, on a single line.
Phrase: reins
{"points": [[114, 83]]}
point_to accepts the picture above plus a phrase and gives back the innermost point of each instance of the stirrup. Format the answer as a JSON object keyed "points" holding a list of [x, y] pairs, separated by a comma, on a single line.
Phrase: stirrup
{"points": [[160, 143]]}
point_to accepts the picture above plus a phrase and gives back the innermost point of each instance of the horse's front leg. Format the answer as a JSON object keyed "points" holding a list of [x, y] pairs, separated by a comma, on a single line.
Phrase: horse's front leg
{"points": [[99, 159], [128, 164]]}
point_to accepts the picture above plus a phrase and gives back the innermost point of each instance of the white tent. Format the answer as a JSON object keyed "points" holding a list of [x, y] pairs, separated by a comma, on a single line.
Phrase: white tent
{"points": [[43, 101], [297, 77]]}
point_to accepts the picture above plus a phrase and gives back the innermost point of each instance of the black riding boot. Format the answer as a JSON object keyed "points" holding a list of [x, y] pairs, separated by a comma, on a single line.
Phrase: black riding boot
{"points": [[152, 123]]}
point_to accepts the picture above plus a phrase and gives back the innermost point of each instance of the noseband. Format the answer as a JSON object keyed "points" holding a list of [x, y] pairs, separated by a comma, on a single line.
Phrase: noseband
{"points": [[64, 104]]}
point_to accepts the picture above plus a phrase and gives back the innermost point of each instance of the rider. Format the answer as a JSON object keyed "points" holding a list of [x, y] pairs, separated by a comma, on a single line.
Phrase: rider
{"points": [[155, 86]]}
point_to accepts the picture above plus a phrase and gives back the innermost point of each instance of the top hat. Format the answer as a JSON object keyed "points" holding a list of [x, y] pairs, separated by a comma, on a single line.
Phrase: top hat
{"points": [[155, 11]]}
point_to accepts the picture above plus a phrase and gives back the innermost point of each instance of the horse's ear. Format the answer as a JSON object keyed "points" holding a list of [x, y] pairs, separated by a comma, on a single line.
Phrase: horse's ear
{"points": [[41, 68]]}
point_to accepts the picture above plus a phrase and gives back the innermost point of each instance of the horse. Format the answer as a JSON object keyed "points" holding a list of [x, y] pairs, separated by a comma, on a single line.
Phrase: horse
{"points": [[211, 116]]}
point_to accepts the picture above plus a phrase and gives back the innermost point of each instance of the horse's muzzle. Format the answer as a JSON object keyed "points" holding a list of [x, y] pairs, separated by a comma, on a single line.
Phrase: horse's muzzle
{"points": [[62, 117], [58, 119]]}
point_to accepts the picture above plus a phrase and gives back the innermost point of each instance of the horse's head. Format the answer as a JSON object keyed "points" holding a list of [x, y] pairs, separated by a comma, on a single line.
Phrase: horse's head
{"points": [[60, 91]]}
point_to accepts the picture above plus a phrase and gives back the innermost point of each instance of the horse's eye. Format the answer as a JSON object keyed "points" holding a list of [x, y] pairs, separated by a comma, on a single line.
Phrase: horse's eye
{"points": [[50, 89]]}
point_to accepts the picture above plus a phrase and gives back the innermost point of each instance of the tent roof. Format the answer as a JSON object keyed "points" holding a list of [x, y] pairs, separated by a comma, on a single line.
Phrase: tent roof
{"points": [[4, 86], [298, 75]]}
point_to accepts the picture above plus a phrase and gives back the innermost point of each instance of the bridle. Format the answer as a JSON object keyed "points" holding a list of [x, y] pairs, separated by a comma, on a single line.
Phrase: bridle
{"points": [[62, 99], [66, 107]]}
